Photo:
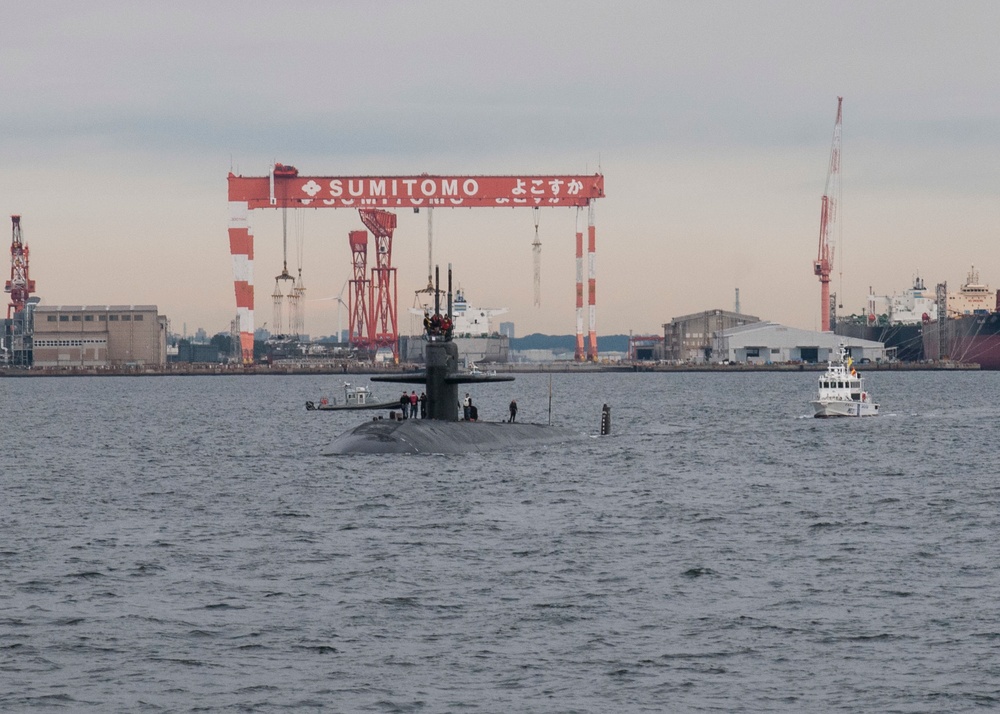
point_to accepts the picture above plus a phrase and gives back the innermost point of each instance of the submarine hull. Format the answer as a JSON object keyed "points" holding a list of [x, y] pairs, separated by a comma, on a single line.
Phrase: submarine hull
{"points": [[429, 436]]}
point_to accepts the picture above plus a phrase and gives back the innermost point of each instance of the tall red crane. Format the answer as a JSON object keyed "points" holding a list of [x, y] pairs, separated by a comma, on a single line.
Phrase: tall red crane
{"points": [[823, 265], [357, 333], [382, 327], [20, 286]]}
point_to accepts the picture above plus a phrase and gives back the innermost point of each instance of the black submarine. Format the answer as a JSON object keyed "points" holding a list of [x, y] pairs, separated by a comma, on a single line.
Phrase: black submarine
{"points": [[441, 432]]}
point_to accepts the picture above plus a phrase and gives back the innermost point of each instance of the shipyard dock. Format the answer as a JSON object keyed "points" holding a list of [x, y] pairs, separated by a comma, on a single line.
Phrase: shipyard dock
{"points": [[305, 368]]}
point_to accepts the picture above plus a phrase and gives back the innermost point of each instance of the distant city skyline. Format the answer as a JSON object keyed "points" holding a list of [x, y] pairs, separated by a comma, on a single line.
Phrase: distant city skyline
{"points": [[711, 123]]}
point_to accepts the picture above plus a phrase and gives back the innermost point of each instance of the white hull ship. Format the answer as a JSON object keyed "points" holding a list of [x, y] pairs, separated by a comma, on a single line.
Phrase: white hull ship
{"points": [[473, 334], [842, 390]]}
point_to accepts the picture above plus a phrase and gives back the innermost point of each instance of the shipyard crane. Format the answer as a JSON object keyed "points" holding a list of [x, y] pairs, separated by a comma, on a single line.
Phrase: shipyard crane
{"points": [[20, 286], [823, 265], [382, 327], [357, 309], [284, 187]]}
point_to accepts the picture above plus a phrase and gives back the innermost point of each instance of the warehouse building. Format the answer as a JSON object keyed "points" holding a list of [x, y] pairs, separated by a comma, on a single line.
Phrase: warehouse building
{"points": [[767, 342], [689, 338], [99, 336]]}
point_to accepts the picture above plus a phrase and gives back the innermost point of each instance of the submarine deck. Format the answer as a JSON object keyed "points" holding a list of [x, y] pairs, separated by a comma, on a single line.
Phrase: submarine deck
{"points": [[429, 436]]}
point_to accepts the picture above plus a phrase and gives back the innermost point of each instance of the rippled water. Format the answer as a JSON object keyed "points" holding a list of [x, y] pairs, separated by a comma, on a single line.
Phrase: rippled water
{"points": [[179, 544]]}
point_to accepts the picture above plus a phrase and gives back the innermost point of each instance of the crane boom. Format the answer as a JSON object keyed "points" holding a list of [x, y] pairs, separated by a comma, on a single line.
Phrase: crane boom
{"points": [[829, 209]]}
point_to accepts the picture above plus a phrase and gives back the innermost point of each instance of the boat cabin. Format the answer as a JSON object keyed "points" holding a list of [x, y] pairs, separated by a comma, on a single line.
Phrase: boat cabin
{"points": [[356, 396], [848, 389]]}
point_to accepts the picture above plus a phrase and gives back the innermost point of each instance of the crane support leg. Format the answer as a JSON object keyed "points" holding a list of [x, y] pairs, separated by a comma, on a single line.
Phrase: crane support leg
{"points": [[581, 355], [592, 282], [241, 248]]}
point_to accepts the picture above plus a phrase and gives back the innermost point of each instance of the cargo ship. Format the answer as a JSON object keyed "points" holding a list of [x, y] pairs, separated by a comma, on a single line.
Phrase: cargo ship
{"points": [[474, 335], [970, 332], [900, 328]]}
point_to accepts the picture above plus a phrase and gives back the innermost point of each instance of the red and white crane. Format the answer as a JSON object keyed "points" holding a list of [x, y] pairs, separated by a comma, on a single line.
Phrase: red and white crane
{"points": [[823, 265], [20, 286]]}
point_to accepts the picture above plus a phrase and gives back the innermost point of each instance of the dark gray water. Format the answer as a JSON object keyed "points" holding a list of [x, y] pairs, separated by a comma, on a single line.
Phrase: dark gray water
{"points": [[179, 544]]}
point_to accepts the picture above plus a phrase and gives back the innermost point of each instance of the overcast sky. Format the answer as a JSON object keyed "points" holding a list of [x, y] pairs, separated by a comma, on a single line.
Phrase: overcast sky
{"points": [[711, 122]]}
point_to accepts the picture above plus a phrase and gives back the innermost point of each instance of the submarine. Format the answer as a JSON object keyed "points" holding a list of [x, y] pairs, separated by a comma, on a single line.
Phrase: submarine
{"points": [[441, 432]]}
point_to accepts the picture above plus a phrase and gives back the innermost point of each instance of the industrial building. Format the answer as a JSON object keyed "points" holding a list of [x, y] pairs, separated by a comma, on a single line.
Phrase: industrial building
{"points": [[99, 336], [767, 342], [689, 338]]}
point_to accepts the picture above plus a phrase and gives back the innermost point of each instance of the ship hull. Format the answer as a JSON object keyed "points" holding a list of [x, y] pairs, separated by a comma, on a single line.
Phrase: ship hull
{"points": [[907, 339], [825, 408], [970, 339], [430, 436], [492, 349]]}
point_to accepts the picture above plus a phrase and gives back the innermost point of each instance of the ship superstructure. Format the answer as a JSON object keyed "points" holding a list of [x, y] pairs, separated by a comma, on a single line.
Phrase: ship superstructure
{"points": [[896, 320], [970, 332], [474, 335], [974, 298]]}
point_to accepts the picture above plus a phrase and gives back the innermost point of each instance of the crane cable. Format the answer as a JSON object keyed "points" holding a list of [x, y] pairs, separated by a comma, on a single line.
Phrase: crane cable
{"points": [[536, 248]]}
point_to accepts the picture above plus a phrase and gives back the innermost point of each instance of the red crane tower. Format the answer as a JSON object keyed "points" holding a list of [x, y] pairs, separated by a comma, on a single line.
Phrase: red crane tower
{"points": [[823, 265], [382, 327], [20, 286], [357, 308]]}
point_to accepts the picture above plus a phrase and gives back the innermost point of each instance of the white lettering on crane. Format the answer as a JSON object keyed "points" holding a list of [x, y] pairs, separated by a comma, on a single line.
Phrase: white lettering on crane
{"points": [[449, 188], [409, 186], [355, 190], [428, 187], [377, 188], [336, 188], [470, 187]]}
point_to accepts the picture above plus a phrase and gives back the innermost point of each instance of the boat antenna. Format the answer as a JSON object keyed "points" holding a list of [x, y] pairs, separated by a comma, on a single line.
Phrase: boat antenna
{"points": [[449, 291]]}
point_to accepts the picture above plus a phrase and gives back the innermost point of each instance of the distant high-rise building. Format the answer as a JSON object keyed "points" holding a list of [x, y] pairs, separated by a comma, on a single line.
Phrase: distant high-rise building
{"points": [[507, 329]]}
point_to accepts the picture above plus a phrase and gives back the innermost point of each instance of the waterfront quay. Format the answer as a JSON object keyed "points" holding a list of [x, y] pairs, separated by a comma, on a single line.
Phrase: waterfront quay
{"points": [[364, 368]]}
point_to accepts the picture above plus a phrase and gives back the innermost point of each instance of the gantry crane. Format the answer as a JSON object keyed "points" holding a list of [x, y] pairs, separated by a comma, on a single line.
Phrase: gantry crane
{"points": [[823, 265], [284, 187]]}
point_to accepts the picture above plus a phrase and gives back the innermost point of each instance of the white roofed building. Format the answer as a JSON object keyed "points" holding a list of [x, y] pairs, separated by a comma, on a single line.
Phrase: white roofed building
{"points": [[768, 342]]}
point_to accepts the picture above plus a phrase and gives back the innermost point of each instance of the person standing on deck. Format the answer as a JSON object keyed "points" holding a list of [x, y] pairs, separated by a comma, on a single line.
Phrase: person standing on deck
{"points": [[513, 410], [413, 404]]}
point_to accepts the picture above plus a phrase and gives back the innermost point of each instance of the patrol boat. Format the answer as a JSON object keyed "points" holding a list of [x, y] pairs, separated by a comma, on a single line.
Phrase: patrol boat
{"points": [[355, 397], [842, 390]]}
